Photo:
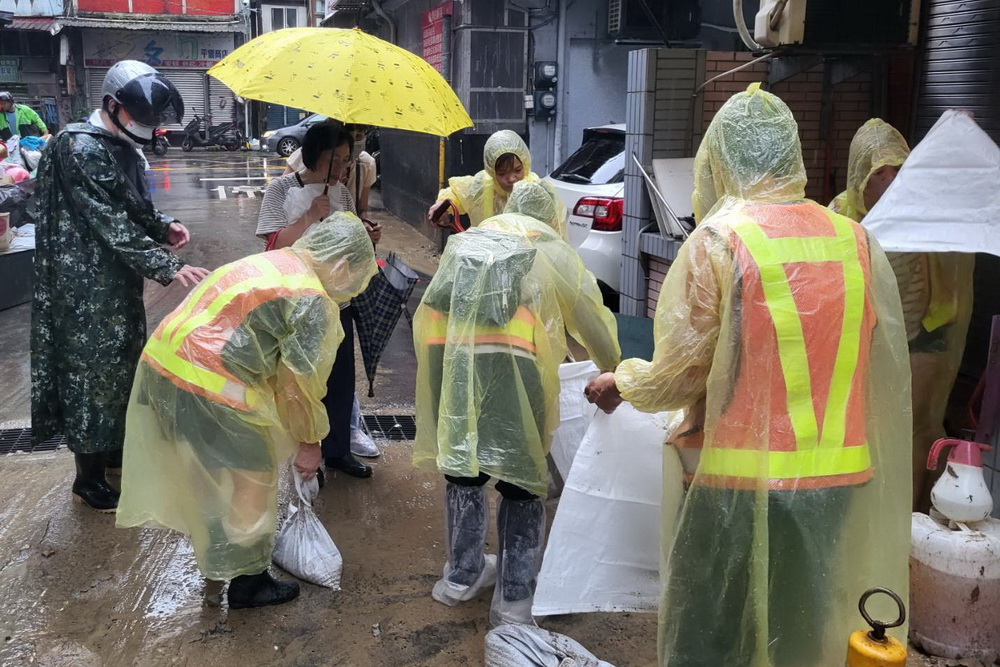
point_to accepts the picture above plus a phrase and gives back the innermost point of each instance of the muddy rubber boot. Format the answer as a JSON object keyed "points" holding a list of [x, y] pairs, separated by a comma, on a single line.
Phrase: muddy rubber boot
{"points": [[521, 529], [91, 487], [260, 590], [113, 463], [469, 571]]}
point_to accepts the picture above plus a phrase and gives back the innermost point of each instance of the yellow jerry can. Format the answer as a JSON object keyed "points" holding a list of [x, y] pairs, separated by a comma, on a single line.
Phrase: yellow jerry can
{"points": [[874, 648]]}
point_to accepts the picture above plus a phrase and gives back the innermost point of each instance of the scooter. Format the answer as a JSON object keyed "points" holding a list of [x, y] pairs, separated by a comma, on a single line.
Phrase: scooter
{"points": [[198, 133], [159, 145]]}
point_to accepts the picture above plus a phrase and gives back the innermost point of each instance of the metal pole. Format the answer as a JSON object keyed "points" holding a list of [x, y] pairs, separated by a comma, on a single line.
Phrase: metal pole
{"points": [[446, 73]]}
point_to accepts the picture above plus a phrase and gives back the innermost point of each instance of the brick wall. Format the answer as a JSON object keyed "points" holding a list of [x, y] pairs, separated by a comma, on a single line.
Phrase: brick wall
{"points": [[657, 272], [825, 156]]}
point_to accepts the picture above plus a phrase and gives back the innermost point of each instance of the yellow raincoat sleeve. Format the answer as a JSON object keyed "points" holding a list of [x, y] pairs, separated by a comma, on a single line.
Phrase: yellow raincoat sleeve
{"points": [[582, 305], [306, 360], [685, 329], [449, 194]]}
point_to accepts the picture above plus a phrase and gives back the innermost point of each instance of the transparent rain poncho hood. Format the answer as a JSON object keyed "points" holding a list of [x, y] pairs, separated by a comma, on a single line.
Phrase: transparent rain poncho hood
{"points": [[229, 384], [489, 335], [875, 145], [480, 196], [791, 513], [539, 201], [740, 158]]}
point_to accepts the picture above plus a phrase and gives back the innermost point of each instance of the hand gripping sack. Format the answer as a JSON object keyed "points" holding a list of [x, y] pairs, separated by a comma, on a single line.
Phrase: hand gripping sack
{"points": [[303, 547]]}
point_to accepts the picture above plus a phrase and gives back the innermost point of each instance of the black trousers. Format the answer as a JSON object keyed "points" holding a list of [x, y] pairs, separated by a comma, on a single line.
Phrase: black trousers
{"points": [[506, 489], [339, 399]]}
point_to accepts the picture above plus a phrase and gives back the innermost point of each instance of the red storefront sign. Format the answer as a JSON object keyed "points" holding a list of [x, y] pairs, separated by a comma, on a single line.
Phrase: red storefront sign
{"points": [[433, 29]]}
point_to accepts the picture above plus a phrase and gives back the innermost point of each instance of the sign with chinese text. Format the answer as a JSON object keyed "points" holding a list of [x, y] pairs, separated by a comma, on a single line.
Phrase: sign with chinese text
{"points": [[433, 28], [10, 70], [103, 48]]}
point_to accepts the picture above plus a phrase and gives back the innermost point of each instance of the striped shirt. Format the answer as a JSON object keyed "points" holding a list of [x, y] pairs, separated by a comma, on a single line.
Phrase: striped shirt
{"points": [[272, 216]]}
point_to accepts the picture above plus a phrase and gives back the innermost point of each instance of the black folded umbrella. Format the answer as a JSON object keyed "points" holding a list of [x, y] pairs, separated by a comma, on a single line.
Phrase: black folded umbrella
{"points": [[377, 311]]}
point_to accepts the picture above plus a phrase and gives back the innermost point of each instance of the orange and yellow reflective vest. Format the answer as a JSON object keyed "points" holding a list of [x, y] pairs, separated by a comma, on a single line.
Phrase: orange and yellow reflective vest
{"points": [[186, 347], [796, 416], [519, 332]]}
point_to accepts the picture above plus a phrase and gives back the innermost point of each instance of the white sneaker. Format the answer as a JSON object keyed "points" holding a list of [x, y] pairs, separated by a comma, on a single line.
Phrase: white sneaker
{"points": [[451, 594], [362, 445]]}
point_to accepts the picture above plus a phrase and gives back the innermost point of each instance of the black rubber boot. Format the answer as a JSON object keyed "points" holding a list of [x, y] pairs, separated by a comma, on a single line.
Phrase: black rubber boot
{"points": [[260, 590], [91, 486], [113, 463]]}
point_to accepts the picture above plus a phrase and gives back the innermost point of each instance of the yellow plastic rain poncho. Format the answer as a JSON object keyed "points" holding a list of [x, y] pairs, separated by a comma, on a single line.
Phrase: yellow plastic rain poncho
{"points": [[480, 196], [778, 330], [936, 291], [541, 202], [228, 386], [490, 334]]}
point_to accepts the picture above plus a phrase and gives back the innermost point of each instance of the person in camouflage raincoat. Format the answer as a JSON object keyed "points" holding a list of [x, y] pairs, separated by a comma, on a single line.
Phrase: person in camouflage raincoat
{"points": [[97, 237]]}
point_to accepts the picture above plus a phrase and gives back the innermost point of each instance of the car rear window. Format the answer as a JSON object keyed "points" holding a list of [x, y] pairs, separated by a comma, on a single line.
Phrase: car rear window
{"points": [[600, 160]]}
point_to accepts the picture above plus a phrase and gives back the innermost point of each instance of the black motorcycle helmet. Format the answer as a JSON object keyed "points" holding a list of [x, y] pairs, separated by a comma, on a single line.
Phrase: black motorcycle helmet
{"points": [[148, 97]]}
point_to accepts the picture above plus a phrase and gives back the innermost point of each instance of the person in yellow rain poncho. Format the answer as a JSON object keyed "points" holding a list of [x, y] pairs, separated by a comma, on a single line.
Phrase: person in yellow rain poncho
{"points": [[506, 160], [540, 201], [779, 331], [935, 288], [490, 334], [228, 387]]}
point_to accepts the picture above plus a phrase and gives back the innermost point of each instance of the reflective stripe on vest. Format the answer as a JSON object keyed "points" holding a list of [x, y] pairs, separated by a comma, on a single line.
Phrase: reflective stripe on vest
{"points": [[818, 452], [166, 350], [519, 332]]}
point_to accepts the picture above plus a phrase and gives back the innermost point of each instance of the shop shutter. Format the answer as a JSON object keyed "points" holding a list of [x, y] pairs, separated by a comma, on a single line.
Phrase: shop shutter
{"points": [[223, 102]]}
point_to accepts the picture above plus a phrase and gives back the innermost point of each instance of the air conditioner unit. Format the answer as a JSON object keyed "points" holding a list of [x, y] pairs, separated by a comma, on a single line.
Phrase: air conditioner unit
{"points": [[678, 19], [837, 23]]}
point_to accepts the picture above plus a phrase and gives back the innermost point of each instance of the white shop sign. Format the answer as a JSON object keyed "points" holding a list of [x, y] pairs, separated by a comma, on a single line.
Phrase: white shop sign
{"points": [[103, 48]]}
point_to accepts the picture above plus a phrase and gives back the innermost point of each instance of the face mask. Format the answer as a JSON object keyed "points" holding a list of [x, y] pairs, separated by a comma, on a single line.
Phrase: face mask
{"points": [[143, 132], [358, 147], [132, 132]]}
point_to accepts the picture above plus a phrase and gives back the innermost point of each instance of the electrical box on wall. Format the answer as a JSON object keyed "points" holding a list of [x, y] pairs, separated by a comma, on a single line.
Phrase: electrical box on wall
{"points": [[545, 75], [837, 23], [544, 104]]}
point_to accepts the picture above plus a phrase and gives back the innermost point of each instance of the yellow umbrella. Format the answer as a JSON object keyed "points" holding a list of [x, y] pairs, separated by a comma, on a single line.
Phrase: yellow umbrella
{"points": [[347, 75]]}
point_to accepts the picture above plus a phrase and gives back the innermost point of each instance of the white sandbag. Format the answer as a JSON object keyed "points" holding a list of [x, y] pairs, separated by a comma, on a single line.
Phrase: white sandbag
{"points": [[603, 552], [303, 547], [946, 197], [575, 413], [530, 646]]}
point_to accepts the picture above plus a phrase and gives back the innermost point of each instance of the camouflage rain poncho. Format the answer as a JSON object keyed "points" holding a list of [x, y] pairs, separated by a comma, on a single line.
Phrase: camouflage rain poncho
{"points": [[97, 237]]}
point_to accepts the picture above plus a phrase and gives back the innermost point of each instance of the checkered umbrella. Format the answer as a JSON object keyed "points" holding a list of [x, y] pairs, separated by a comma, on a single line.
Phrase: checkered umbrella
{"points": [[377, 310]]}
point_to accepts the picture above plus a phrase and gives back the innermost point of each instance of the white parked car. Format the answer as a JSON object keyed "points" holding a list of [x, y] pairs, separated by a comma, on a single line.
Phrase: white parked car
{"points": [[591, 183]]}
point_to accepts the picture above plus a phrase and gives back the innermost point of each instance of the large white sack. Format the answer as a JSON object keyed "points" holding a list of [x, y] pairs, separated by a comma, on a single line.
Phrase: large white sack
{"points": [[603, 552], [575, 413], [946, 197]]}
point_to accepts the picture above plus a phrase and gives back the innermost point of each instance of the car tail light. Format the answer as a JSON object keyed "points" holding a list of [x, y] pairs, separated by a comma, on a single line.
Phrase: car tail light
{"points": [[606, 212]]}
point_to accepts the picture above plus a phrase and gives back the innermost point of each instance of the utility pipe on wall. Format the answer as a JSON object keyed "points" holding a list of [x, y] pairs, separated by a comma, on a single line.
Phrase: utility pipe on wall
{"points": [[563, 87]]}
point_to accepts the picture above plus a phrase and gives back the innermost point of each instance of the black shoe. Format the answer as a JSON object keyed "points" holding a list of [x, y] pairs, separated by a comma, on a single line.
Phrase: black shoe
{"points": [[91, 486], [260, 590], [113, 463], [349, 466]]}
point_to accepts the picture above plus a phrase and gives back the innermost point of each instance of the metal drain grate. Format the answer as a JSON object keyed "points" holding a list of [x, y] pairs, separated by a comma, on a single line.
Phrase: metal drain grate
{"points": [[19, 440], [391, 427]]}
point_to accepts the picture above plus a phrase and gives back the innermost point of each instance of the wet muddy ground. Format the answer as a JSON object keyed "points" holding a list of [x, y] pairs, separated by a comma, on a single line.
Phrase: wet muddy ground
{"points": [[75, 590]]}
